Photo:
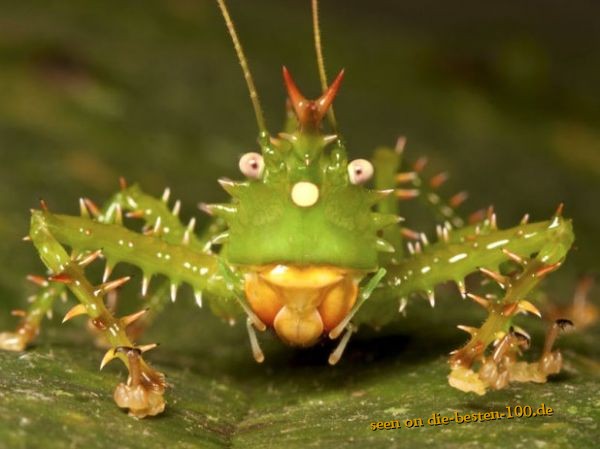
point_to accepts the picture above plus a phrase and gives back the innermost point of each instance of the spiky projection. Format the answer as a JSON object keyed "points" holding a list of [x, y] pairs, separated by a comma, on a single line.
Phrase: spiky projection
{"points": [[302, 207], [303, 247]]}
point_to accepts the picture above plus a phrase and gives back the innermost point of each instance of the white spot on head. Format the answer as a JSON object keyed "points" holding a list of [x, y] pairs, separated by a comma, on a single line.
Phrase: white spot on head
{"points": [[305, 194]]}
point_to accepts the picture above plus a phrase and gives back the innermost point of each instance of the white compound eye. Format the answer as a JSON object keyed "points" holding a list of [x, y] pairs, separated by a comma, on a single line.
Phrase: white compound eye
{"points": [[360, 171], [252, 165]]}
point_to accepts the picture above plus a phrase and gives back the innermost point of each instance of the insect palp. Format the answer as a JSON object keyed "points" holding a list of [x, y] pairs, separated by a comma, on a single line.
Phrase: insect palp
{"points": [[336, 355], [257, 352]]}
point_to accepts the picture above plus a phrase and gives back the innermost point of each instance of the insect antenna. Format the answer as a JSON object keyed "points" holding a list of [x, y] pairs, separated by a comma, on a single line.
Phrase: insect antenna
{"points": [[260, 119], [321, 59]]}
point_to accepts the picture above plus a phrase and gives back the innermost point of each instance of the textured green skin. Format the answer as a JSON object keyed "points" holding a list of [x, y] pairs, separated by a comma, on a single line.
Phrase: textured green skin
{"points": [[420, 273], [435, 265], [267, 227]]}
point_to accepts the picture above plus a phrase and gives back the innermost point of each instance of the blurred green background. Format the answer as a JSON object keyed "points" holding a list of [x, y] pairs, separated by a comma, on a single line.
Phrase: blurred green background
{"points": [[503, 95]]}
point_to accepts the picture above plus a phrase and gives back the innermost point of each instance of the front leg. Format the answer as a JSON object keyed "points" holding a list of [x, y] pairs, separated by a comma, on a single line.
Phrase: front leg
{"points": [[142, 402], [159, 219], [29, 325], [143, 392], [479, 248], [483, 248]]}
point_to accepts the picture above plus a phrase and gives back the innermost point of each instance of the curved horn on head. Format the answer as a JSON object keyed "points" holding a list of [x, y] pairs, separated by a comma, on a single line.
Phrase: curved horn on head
{"points": [[310, 112]]}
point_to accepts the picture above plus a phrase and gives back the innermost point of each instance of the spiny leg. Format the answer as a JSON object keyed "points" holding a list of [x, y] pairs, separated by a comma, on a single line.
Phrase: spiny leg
{"points": [[502, 367], [483, 248], [160, 219], [153, 254], [427, 191], [143, 402], [458, 254], [28, 327], [412, 184], [173, 252]]}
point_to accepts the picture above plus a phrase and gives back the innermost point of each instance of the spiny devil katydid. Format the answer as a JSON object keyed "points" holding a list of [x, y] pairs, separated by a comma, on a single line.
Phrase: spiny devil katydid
{"points": [[303, 248]]}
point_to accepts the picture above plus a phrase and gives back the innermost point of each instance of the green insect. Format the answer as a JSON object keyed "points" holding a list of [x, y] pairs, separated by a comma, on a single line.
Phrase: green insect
{"points": [[303, 248]]}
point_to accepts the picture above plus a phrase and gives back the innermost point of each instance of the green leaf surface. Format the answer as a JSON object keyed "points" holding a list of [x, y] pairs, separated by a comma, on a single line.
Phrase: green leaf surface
{"points": [[93, 90], [54, 395]]}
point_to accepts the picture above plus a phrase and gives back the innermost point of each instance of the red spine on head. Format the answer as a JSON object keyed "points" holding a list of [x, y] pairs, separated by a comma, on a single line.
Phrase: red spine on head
{"points": [[310, 112]]}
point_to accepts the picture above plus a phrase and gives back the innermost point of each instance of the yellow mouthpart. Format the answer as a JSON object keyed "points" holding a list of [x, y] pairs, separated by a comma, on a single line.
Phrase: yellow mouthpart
{"points": [[301, 302]]}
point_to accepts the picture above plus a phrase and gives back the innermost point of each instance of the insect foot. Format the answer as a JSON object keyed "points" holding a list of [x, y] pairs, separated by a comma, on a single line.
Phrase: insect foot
{"points": [[143, 393], [19, 339], [499, 366], [40, 305], [550, 361]]}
